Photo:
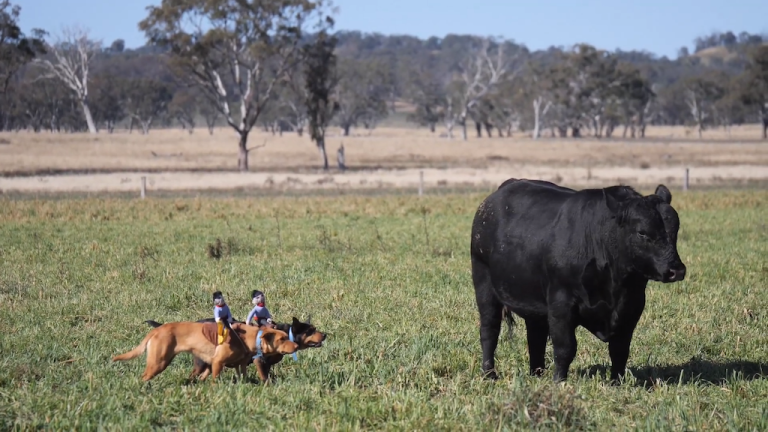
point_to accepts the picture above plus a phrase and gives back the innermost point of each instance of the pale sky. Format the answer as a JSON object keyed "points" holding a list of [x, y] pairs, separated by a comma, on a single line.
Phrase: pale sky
{"points": [[658, 26]]}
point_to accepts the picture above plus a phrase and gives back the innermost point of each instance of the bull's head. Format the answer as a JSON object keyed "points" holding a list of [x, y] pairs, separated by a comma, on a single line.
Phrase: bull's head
{"points": [[648, 235]]}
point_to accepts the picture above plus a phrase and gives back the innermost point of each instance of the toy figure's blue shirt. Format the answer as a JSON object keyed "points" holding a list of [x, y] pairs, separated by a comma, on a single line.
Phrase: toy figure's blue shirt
{"points": [[258, 312], [222, 313]]}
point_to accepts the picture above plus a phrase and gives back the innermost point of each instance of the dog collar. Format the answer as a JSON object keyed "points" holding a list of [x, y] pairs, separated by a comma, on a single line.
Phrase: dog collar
{"points": [[258, 344], [290, 338]]}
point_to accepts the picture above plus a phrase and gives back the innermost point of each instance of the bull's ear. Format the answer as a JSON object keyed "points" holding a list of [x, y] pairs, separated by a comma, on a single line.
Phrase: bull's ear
{"points": [[612, 203], [664, 193]]}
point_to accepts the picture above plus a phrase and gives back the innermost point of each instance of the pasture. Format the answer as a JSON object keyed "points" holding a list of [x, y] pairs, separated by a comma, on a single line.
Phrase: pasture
{"points": [[386, 158], [388, 278]]}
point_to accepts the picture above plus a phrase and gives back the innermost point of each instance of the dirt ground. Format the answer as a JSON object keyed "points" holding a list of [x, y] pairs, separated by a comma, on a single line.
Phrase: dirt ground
{"points": [[386, 158]]}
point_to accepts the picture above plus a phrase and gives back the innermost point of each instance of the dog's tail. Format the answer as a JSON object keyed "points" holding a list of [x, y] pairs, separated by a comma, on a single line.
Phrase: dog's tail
{"points": [[154, 324], [139, 350], [509, 317]]}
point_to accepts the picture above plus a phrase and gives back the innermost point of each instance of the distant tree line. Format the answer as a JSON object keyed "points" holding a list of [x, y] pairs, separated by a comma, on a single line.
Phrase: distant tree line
{"points": [[279, 66]]}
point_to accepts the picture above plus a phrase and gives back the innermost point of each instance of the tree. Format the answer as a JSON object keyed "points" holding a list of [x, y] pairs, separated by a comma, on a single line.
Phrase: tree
{"points": [[16, 49], [146, 100], [535, 89], [488, 62], [210, 113], [320, 79], [634, 94], [361, 93], [108, 100], [425, 88], [183, 108], [754, 85], [118, 46], [236, 52], [72, 56], [701, 93]]}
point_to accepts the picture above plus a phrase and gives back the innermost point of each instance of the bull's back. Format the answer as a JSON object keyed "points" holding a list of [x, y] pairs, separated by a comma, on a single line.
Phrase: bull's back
{"points": [[520, 211]]}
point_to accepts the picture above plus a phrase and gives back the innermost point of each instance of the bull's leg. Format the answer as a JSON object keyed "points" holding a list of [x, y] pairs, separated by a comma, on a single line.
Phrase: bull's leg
{"points": [[537, 332], [490, 316], [563, 332], [618, 345], [618, 348]]}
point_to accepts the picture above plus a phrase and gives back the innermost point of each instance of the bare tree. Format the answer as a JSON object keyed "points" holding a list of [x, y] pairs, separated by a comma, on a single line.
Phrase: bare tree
{"points": [[236, 52], [72, 56], [479, 74]]}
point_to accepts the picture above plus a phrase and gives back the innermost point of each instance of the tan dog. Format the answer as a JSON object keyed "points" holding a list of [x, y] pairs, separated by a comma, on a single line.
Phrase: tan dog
{"points": [[165, 342]]}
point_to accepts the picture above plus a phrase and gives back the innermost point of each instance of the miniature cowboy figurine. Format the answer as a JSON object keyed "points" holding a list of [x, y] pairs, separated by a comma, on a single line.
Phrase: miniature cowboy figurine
{"points": [[221, 314], [259, 312]]}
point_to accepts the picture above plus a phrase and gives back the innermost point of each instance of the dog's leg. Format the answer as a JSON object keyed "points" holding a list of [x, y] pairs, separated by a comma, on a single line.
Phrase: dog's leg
{"points": [[152, 370], [158, 358], [223, 352], [267, 367], [198, 368], [242, 370], [260, 368], [216, 367], [204, 374]]}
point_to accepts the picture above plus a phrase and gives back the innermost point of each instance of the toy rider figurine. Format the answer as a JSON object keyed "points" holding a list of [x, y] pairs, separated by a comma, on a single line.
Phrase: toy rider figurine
{"points": [[259, 312], [221, 314]]}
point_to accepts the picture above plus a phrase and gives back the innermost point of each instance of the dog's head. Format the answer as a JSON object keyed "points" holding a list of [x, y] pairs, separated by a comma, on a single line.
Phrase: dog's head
{"points": [[273, 341], [306, 335]]}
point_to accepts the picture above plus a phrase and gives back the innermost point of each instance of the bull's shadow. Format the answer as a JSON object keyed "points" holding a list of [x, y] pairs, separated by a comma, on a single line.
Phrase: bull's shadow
{"points": [[695, 370]]}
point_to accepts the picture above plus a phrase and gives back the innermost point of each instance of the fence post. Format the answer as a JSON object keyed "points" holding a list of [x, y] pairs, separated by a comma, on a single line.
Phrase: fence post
{"points": [[686, 180], [421, 183], [143, 187]]}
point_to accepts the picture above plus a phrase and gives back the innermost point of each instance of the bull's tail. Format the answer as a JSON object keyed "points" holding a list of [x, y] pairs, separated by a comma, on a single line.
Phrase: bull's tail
{"points": [[154, 324], [139, 350], [509, 317]]}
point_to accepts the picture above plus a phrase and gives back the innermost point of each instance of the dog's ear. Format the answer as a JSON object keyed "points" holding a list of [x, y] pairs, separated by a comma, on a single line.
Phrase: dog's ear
{"points": [[269, 338], [296, 322]]}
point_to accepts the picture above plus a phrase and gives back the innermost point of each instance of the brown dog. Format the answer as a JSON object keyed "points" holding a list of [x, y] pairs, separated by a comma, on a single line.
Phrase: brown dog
{"points": [[165, 342], [305, 335]]}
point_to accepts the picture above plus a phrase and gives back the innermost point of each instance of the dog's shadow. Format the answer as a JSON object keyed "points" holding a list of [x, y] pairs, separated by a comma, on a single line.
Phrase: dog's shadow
{"points": [[695, 370]]}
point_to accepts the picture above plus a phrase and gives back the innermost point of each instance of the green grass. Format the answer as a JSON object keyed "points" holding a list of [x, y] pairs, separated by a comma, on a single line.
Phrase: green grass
{"points": [[79, 277]]}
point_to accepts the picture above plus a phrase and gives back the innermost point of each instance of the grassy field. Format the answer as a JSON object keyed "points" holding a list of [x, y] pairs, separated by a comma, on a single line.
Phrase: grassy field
{"points": [[388, 278]]}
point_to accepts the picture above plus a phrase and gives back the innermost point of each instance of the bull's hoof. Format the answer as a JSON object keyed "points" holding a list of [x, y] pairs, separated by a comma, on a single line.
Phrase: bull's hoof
{"points": [[490, 375]]}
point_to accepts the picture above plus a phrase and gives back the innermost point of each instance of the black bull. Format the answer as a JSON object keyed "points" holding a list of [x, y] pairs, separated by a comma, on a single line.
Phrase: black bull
{"points": [[558, 258]]}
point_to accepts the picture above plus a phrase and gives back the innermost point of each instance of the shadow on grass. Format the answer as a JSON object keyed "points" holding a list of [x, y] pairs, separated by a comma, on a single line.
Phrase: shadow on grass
{"points": [[695, 370]]}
